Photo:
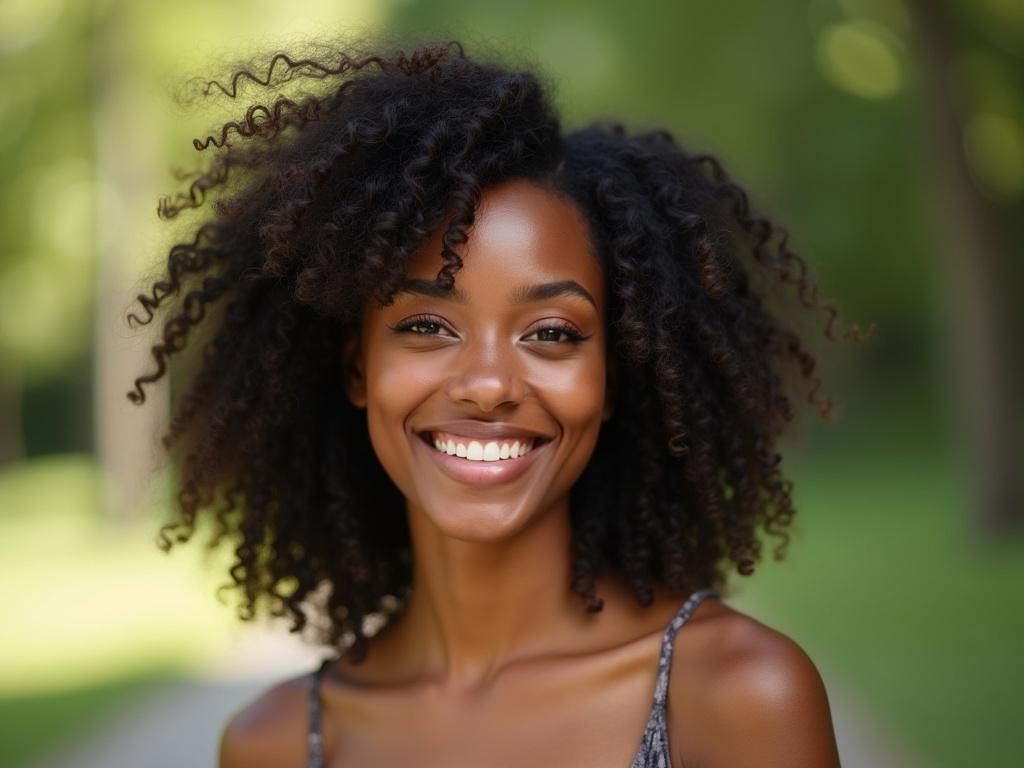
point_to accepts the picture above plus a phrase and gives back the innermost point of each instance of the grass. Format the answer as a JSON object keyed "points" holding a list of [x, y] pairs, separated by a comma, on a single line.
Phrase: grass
{"points": [[31, 723]]}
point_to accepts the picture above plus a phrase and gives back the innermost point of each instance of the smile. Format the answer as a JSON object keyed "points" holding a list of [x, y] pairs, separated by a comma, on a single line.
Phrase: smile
{"points": [[480, 450], [481, 462]]}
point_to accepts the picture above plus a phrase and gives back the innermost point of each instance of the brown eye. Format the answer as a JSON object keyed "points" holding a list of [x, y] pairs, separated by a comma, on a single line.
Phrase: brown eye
{"points": [[551, 334], [423, 327], [419, 325]]}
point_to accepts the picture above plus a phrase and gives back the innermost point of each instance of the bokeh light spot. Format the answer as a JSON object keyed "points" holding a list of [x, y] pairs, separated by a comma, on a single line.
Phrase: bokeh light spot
{"points": [[994, 145], [860, 58], [23, 22], [63, 210]]}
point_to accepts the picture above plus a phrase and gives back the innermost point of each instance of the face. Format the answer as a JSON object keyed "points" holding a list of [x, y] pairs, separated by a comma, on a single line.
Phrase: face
{"points": [[515, 357]]}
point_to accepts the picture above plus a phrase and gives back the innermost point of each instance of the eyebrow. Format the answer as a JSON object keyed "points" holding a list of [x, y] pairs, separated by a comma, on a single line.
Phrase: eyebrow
{"points": [[522, 294]]}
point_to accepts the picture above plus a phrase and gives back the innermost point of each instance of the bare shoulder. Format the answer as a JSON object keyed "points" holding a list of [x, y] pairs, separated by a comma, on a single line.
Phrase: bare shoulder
{"points": [[270, 730], [747, 694]]}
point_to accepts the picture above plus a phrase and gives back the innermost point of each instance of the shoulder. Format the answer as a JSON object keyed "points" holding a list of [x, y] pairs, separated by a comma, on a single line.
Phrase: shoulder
{"points": [[270, 730], [752, 694]]}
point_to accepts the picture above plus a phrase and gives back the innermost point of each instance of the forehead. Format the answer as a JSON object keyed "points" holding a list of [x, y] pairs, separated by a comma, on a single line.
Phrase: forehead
{"points": [[521, 234]]}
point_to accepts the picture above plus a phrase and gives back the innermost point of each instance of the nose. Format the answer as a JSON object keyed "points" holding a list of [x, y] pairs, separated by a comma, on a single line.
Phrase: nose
{"points": [[487, 375]]}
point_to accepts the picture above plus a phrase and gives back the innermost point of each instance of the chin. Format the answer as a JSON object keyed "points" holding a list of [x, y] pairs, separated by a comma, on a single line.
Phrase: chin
{"points": [[477, 520]]}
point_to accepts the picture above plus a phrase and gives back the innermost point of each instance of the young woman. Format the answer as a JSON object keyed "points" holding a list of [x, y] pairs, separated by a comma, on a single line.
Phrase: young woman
{"points": [[491, 409]]}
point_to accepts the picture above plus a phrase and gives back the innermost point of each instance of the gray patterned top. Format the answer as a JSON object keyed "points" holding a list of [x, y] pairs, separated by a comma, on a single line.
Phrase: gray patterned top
{"points": [[653, 751]]}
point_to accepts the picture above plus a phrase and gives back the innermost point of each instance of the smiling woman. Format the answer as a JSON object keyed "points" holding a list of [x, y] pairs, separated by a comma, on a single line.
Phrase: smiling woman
{"points": [[534, 478]]}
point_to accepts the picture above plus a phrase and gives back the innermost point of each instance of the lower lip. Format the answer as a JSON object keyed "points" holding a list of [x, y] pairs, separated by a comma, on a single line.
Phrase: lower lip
{"points": [[482, 472]]}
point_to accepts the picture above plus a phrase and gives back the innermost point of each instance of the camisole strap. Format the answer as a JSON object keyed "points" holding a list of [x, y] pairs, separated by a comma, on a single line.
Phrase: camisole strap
{"points": [[668, 642], [316, 747], [654, 748]]}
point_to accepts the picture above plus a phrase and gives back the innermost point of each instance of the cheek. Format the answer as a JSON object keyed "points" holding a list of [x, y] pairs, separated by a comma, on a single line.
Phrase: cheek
{"points": [[393, 383], [575, 395], [395, 379], [576, 399], [395, 386]]}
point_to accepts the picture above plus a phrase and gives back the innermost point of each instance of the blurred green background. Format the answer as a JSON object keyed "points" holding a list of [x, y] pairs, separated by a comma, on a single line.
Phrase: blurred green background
{"points": [[887, 135]]}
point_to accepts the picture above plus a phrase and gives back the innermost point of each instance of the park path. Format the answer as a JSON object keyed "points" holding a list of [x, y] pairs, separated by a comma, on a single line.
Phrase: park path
{"points": [[178, 726]]}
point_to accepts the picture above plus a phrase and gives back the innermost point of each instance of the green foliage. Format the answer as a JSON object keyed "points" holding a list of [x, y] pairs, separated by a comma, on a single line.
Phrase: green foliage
{"points": [[47, 191]]}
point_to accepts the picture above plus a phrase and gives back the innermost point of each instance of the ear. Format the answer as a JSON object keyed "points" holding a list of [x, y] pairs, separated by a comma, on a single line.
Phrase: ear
{"points": [[611, 388], [353, 371]]}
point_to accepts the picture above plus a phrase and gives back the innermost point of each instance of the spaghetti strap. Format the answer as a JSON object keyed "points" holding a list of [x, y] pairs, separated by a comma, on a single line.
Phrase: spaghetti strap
{"points": [[654, 749], [315, 741], [668, 642]]}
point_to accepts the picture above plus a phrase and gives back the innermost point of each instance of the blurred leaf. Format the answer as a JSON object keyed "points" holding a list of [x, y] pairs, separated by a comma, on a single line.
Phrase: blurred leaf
{"points": [[994, 145], [859, 57]]}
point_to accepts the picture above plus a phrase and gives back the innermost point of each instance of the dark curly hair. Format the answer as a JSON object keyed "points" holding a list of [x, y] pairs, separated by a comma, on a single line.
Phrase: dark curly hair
{"points": [[322, 198]]}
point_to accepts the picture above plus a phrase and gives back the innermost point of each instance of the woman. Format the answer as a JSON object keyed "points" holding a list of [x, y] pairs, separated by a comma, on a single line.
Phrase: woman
{"points": [[491, 409]]}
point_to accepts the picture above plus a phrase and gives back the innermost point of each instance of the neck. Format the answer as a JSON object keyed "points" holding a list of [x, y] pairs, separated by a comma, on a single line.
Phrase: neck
{"points": [[477, 607]]}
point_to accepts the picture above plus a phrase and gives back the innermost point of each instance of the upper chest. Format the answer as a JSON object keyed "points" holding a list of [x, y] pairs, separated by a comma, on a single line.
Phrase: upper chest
{"points": [[589, 711]]}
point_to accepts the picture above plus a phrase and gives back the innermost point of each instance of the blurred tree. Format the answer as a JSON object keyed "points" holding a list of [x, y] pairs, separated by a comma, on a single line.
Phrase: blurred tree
{"points": [[976, 245], [46, 244]]}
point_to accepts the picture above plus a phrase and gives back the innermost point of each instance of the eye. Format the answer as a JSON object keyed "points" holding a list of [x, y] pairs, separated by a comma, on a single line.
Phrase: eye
{"points": [[419, 325], [550, 333]]}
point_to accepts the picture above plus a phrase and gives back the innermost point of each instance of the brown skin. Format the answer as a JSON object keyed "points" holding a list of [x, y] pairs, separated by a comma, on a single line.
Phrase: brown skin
{"points": [[492, 663]]}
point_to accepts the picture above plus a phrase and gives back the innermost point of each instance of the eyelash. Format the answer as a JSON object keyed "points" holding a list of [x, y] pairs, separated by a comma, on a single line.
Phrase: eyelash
{"points": [[575, 337]]}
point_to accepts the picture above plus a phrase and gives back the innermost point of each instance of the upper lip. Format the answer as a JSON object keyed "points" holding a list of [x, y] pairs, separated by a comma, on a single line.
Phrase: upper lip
{"points": [[484, 429]]}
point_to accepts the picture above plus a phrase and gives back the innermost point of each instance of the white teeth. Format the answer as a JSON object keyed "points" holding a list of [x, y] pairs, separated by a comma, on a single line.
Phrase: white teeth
{"points": [[492, 450]]}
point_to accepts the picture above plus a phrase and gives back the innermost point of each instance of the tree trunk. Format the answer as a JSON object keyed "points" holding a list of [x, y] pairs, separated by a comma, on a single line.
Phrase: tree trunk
{"points": [[968, 245]]}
